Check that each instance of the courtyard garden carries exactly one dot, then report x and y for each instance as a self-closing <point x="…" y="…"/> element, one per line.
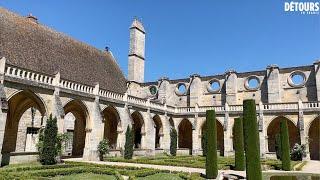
<point x="224" y="163"/>
<point x="82" y="171"/>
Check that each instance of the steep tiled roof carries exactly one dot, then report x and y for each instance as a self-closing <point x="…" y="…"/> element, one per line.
<point x="36" y="47"/>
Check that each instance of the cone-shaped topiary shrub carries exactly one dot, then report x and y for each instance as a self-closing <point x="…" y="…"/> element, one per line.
<point x="128" y="146"/>
<point x="211" y="157"/>
<point x="251" y="140"/>
<point x="173" y="142"/>
<point x="285" y="147"/>
<point x="238" y="144"/>
<point x="49" y="151"/>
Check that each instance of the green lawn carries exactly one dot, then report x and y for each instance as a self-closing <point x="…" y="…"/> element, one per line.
<point x="85" y="176"/>
<point x="195" y="161"/>
<point x="162" y="176"/>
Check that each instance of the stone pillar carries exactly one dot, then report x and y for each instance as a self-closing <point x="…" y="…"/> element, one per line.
<point x="261" y="131"/>
<point x="4" y="108"/>
<point x="302" y="129"/>
<point x="94" y="129"/>
<point x="150" y="132"/>
<point x="231" y="87"/>
<point x="227" y="133"/>
<point x="317" y="77"/>
<point x="195" y="90"/>
<point x="196" y="143"/>
<point x="273" y="81"/>
<point x="165" y="140"/>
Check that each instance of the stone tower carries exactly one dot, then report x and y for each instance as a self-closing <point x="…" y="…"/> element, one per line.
<point x="136" y="52"/>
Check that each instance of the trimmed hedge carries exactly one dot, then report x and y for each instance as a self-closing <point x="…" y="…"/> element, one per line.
<point x="211" y="134"/>
<point x="285" y="147"/>
<point x="251" y="139"/>
<point x="173" y="142"/>
<point x="238" y="144"/>
<point x="128" y="146"/>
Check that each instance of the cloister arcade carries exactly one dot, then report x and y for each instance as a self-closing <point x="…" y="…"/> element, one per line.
<point x="27" y="106"/>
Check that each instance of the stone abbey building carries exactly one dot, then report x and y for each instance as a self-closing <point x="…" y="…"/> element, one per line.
<point x="44" y="72"/>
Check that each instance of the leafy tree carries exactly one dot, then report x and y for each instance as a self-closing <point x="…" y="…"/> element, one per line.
<point x="211" y="157"/>
<point x="251" y="140"/>
<point x="48" y="148"/>
<point x="239" y="144"/>
<point x="285" y="147"/>
<point x="103" y="148"/>
<point x="173" y="142"/>
<point x="128" y="147"/>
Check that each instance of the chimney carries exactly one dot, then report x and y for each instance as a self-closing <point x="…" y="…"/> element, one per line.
<point x="32" y="18"/>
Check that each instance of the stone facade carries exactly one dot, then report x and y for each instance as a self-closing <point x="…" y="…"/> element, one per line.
<point x="92" y="113"/>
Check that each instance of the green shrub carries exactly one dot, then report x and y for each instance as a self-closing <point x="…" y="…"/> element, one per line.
<point x="211" y="157"/>
<point x="173" y="142"/>
<point x="103" y="148"/>
<point x="238" y="144"/>
<point x="251" y="140"/>
<point x="128" y="147"/>
<point x="278" y="146"/>
<point x="285" y="147"/>
<point x="298" y="152"/>
<point x="49" y="151"/>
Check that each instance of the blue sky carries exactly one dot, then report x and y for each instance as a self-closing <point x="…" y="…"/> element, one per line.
<point x="186" y="37"/>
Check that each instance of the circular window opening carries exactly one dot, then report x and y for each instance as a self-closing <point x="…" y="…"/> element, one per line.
<point x="214" y="85"/>
<point x="153" y="90"/>
<point x="297" y="79"/>
<point x="252" y="83"/>
<point x="181" y="89"/>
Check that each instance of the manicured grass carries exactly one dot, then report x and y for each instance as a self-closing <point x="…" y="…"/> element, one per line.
<point x="85" y="176"/>
<point x="162" y="176"/>
<point x="195" y="161"/>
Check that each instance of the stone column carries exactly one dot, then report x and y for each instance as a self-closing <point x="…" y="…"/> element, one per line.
<point x="195" y="90"/>
<point x="261" y="131"/>
<point x="227" y="133"/>
<point x="94" y="129"/>
<point x="4" y="108"/>
<point x="150" y="133"/>
<point x="273" y="81"/>
<point x="231" y="87"/>
<point x="165" y="140"/>
<point x="302" y="129"/>
<point x="196" y="143"/>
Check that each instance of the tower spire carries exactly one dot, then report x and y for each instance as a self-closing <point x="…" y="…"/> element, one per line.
<point x="136" y="52"/>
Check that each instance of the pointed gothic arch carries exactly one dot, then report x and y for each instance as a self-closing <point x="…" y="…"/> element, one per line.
<point x="111" y="123"/>
<point x="81" y="122"/>
<point x="274" y="129"/>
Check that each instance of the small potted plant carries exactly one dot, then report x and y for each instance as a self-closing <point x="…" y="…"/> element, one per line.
<point x="103" y="148"/>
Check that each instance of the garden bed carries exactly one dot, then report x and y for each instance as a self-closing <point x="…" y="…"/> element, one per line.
<point x="195" y="161"/>
<point x="76" y="170"/>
